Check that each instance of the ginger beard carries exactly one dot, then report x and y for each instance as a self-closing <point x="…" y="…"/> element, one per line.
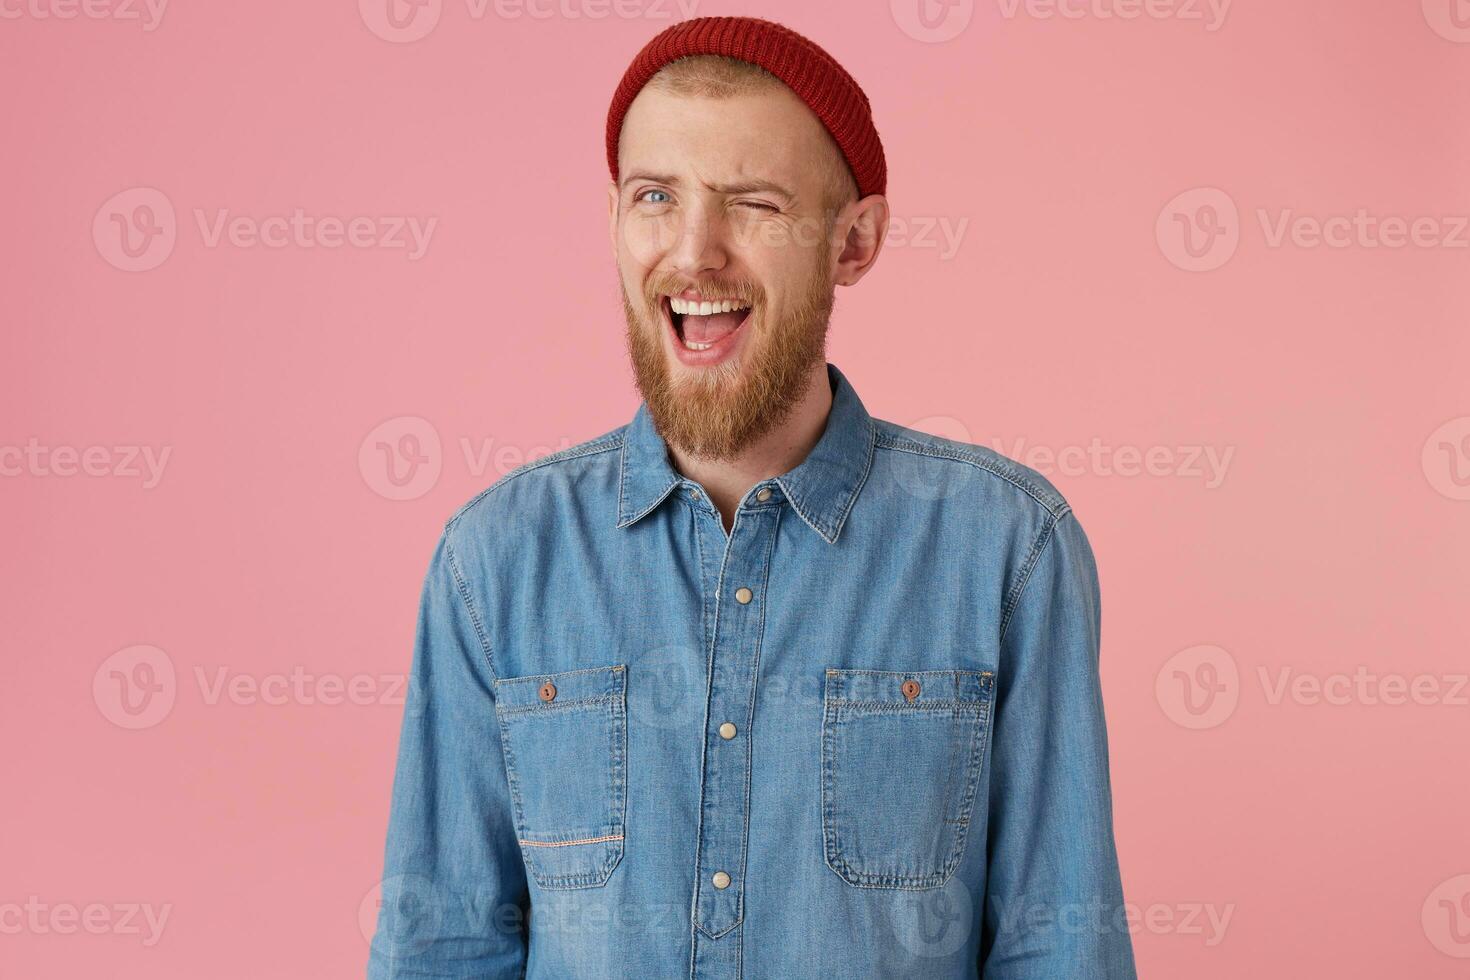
<point x="715" y="413"/>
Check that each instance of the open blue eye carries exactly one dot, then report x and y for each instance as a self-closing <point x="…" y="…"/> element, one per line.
<point x="648" y="196"/>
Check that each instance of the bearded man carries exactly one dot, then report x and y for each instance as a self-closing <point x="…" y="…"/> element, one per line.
<point x="755" y="685"/>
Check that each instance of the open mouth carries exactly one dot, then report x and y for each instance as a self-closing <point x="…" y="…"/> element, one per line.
<point x="705" y="325"/>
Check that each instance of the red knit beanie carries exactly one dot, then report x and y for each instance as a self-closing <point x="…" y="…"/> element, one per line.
<point x="813" y="74"/>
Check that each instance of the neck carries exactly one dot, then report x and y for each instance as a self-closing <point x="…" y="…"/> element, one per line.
<point x="779" y="450"/>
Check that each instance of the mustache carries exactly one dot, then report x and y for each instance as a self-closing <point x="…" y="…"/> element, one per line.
<point x="744" y="290"/>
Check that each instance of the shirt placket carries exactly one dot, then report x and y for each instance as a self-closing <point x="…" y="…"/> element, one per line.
<point x="739" y="599"/>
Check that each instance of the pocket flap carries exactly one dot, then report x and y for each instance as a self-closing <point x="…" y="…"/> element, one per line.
<point x="927" y="687"/>
<point x="589" y="685"/>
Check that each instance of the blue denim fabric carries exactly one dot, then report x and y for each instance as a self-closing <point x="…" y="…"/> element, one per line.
<point x="903" y="633"/>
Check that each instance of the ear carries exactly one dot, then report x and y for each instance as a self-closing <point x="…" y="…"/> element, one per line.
<point x="862" y="225"/>
<point x="612" y="218"/>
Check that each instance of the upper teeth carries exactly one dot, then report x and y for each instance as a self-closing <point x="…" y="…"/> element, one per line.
<point x="703" y="308"/>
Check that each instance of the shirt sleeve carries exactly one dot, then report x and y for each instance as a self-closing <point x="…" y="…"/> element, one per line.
<point x="454" y="898"/>
<point x="1053" y="905"/>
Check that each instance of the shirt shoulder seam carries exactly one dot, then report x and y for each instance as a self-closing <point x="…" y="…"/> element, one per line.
<point x="464" y="596"/>
<point x="604" y="443"/>
<point x="1017" y="592"/>
<point x="1054" y="503"/>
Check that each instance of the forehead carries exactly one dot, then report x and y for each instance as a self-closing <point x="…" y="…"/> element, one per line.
<point x="768" y="134"/>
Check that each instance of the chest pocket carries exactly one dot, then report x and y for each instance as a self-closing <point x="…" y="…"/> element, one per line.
<point x="565" y="741"/>
<point x="901" y="759"/>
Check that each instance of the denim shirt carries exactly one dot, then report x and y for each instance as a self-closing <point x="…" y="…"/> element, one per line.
<point x="860" y="735"/>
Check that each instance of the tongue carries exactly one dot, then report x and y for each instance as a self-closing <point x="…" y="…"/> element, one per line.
<point x="709" y="329"/>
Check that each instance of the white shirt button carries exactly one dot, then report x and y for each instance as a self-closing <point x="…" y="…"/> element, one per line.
<point x="763" y="494"/>
<point x="727" y="731"/>
<point x="721" y="880"/>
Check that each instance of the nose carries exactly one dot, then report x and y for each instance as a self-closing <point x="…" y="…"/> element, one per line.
<point x="700" y="247"/>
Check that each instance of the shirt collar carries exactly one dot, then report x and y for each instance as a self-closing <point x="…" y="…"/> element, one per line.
<point x="822" y="489"/>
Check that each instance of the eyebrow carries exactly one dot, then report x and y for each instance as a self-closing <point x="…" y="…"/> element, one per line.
<point x="752" y="186"/>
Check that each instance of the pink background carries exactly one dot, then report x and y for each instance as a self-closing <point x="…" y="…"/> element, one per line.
<point x="1331" y="831"/>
